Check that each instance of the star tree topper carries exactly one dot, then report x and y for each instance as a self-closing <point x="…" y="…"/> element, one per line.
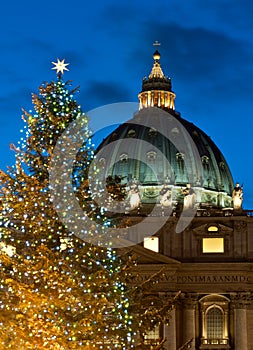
<point x="60" y="66"/>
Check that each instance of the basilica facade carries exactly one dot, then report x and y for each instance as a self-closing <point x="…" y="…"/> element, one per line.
<point x="187" y="220"/>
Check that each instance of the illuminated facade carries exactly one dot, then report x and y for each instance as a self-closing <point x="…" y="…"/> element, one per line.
<point x="210" y="261"/>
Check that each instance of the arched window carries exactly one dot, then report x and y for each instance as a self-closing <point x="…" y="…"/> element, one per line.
<point x="181" y="175"/>
<point x="214" y="311"/>
<point x="152" y="132"/>
<point x="131" y="133"/>
<point x="214" y="324"/>
<point x="152" y="336"/>
<point x="151" y="167"/>
<point x="213" y="229"/>
<point x="151" y="156"/>
<point x="123" y="157"/>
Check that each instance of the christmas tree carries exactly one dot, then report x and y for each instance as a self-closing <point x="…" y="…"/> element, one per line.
<point x="58" y="290"/>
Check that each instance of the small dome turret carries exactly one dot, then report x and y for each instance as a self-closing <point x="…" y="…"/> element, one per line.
<point x="157" y="88"/>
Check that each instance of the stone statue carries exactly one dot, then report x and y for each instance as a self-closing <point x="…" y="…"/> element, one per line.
<point x="189" y="197"/>
<point x="237" y="195"/>
<point x="165" y="196"/>
<point x="134" y="197"/>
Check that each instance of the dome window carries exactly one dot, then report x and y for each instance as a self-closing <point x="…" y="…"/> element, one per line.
<point x="181" y="166"/>
<point x="102" y="162"/>
<point x="205" y="160"/>
<point x="131" y="133"/>
<point x="175" y="131"/>
<point x="222" y="165"/>
<point x="123" y="157"/>
<point x="114" y="136"/>
<point x="151" y="155"/>
<point x="152" y="132"/>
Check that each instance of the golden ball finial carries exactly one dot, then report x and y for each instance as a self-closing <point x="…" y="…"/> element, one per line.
<point x="156" y="56"/>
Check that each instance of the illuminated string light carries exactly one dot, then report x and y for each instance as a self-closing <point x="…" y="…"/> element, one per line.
<point x="57" y="291"/>
<point x="61" y="290"/>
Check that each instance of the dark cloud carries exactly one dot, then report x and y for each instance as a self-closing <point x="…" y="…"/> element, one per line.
<point x="218" y="66"/>
<point x="119" y="15"/>
<point x="226" y="14"/>
<point x="198" y="53"/>
<point x="199" y="39"/>
<point x="99" y="93"/>
<point x="39" y="45"/>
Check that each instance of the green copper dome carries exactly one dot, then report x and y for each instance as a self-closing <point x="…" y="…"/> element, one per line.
<point x="158" y="148"/>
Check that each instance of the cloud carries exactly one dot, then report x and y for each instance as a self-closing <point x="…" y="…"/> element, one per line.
<point x="125" y="14"/>
<point x="199" y="40"/>
<point x="99" y="93"/>
<point x="218" y="66"/>
<point x="197" y="50"/>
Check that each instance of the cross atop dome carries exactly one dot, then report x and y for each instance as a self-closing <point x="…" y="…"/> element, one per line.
<point x="156" y="43"/>
<point x="156" y="54"/>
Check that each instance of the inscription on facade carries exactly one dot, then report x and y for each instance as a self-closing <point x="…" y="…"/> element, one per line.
<point x="198" y="279"/>
<point x="210" y="279"/>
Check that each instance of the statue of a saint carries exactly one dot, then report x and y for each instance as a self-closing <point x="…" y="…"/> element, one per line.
<point x="134" y="197"/>
<point x="165" y="196"/>
<point x="189" y="197"/>
<point x="237" y="195"/>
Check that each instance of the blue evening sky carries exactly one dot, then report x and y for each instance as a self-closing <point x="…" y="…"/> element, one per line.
<point x="207" y="50"/>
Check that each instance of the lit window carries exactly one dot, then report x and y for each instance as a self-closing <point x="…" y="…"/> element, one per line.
<point x="151" y="243"/>
<point x="214" y="310"/>
<point x="153" y="335"/>
<point x="213" y="245"/>
<point x="131" y="133"/>
<point x="213" y="229"/>
<point x="214" y="323"/>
